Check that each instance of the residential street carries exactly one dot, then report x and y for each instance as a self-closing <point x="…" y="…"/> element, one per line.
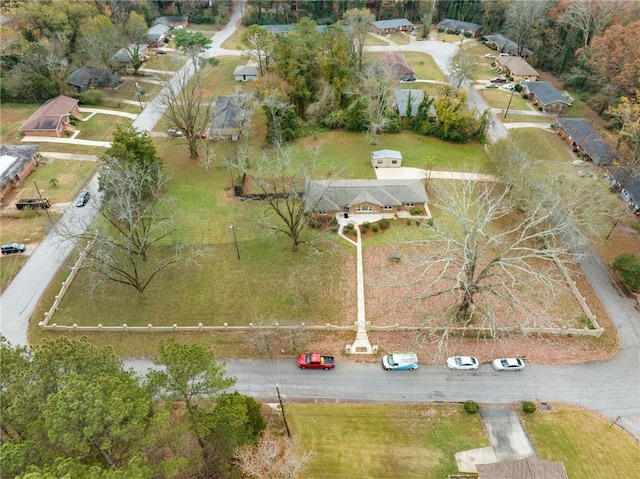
<point x="611" y="388"/>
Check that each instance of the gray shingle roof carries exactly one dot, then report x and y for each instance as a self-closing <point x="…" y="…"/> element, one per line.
<point x="458" y="25"/>
<point x="386" y="154"/>
<point x="224" y="115"/>
<point x="629" y="181"/>
<point x="545" y="92"/>
<point x="82" y="75"/>
<point x="20" y="154"/>
<point x="156" y="32"/>
<point x="125" y="54"/>
<point x="249" y="70"/>
<point x="583" y="134"/>
<point x="335" y="195"/>
<point x="392" y="24"/>
<point x="505" y="45"/>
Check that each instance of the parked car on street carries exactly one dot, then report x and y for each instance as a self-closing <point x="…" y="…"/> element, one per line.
<point x="11" y="248"/>
<point x="316" y="361"/>
<point x="400" y="361"/>
<point x="508" y="364"/>
<point x="175" y="133"/>
<point x="83" y="199"/>
<point x="498" y="80"/>
<point x="462" y="362"/>
<point x="489" y="55"/>
<point x="505" y="55"/>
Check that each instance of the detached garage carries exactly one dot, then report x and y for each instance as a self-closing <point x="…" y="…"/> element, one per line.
<point x="386" y="159"/>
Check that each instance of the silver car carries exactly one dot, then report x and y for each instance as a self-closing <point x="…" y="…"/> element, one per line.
<point x="462" y="362"/>
<point x="508" y="364"/>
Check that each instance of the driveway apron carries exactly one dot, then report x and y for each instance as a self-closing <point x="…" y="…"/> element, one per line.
<point x="506" y="434"/>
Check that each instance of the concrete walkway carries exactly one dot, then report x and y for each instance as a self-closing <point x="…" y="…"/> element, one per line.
<point x="68" y="156"/>
<point x="542" y="126"/>
<point x="93" y="111"/>
<point x="408" y="173"/>
<point x="68" y="141"/>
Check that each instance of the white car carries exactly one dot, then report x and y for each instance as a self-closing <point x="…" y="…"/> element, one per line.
<point x="489" y="55"/>
<point x="462" y="362"/>
<point x="508" y="364"/>
<point x="400" y="361"/>
<point x="508" y="86"/>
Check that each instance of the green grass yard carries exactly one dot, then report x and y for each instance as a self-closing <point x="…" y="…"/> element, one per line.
<point x="379" y="441"/>
<point x="587" y="444"/>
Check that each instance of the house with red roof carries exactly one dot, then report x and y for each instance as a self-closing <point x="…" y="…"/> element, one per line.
<point x="52" y="117"/>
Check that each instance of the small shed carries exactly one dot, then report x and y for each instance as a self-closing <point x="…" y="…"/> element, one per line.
<point x="386" y="159"/>
<point x="246" y="73"/>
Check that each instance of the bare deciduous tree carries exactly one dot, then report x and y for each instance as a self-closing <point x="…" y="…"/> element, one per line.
<point x="522" y="20"/>
<point x="359" y="19"/>
<point x="281" y="180"/>
<point x="274" y="456"/>
<point x="591" y="17"/>
<point x="186" y="107"/>
<point x="377" y="88"/>
<point x="461" y="68"/>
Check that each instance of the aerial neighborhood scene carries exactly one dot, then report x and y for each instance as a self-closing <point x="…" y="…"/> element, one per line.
<point x="295" y="239"/>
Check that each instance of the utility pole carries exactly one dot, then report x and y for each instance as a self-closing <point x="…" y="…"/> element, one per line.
<point x="46" y="210"/>
<point x="509" y="104"/>
<point x="232" y="228"/>
<point x="284" y="417"/>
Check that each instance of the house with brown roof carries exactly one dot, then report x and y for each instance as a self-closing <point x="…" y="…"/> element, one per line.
<point x="52" y="117"/>
<point x="16" y="163"/>
<point x="397" y="65"/>
<point x="518" y="68"/>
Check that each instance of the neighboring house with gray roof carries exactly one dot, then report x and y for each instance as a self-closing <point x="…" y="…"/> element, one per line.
<point x="52" y="117"/>
<point x="245" y="73"/>
<point x="529" y="468"/>
<point x="586" y="141"/>
<point x="628" y="182"/>
<point x="545" y="95"/>
<point x="126" y="54"/>
<point x="84" y="78"/>
<point x="457" y="26"/>
<point x="386" y="159"/>
<point x="173" y="22"/>
<point x="225" y="118"/>
<point x="286" y="28"/>
<point x="402" y="97"/>
<point x="328" y="197"/>
<point x="391" y="26"/>
<point x="157" y="34"/>
<point x="504" y="45"/>
<point x="16" y="164"/>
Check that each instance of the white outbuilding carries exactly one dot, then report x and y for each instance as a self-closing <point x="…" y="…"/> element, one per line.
<point x="386" y="159"/>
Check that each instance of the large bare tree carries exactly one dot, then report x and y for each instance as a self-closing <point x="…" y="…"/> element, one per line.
<point x="281" y="181"/>
<point x="187" y="108"/>
<point x="377" y="87"/>
<point x="359" y="20"/>
<point x="523" y="18"/>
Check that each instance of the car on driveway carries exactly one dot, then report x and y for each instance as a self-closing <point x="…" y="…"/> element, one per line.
<point x="410" y="77"/>
<point x="508" y="364"/>
<point x="83" y="199"/>
<point x="508" y="86"/>
<point x="462" y="362"/>
<point x="489" y="55"/>
<point x="498" y="80"/>
<point x="400" y="361"/>
<point x="492" y="85"/>
<point x="11" y="248"/>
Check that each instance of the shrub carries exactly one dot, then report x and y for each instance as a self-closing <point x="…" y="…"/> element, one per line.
<point x="471" y="407"/>
<point x="517" y="88"/>
<point x="528" y="407"/>
<point x="93" y="97"/>
<point x="375" y="227"/>
<point x="416" y="210"/>
<point x="364" y="227"/>
<point x="408" y="222"/>
<point x="395" y="257"/>
<point x="539" y="108"/>
<point x="627" y="266"/>
<point x="349" y="229"/>
<point x="384" y="224"/>
<point x="525" y="96"/>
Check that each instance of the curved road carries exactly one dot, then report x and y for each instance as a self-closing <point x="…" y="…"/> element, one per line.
<point x="611" y="388"/>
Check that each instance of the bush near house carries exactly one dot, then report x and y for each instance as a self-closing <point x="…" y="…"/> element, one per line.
<point x="627" y="266"/>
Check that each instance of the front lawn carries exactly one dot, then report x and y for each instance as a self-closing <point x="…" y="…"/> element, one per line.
<point x="99" y="127"/>
<point x="588" y="445"/>
<point x="499" y="98"/>
<point x="382" y="441"/>
<point x="13" y="116"/>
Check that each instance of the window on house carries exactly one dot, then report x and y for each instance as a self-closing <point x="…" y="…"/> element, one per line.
<point x="364" y="209"/>
<point x="379" y="162"/>
<point x="387" y="208"/>
<point x="322" y="212"/>
<point x="410" y="204"/>
<point x="394" y="162"/>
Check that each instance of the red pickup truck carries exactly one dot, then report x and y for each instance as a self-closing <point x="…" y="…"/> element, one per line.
<point x="316" y="361"/>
